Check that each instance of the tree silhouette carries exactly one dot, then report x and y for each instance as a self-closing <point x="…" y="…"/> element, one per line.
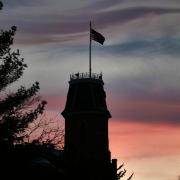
<point x="16" y="111"/>
<point x="122" y="172"/>
<point x="46" y="131"/>
<point x="1" y="5"/>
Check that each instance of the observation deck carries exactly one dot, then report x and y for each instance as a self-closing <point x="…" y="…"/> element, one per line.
<point x="86" y="77"/>
<point x="86" y="95"/>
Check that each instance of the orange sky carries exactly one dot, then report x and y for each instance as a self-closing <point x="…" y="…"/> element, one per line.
<point x="151" y="151"/>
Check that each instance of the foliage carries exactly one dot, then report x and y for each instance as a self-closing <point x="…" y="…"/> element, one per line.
<point x="122" y="172"/>
<point x="1" y="5"/>
<point x="19" y="109"/>
<point x="46" y="131"/>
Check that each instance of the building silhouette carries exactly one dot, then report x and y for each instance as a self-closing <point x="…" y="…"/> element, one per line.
<point x="87" y="154"/>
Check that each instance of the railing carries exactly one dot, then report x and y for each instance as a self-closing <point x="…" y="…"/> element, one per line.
<point x="86" y="76"/>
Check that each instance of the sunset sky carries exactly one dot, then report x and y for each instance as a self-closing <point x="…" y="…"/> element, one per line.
<point x="140" y="62"/>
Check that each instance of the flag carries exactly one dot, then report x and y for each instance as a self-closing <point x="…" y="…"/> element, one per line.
<point x="97" y="36"/>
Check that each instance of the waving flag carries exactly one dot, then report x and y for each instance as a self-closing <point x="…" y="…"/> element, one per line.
<point x="97" y="36"/>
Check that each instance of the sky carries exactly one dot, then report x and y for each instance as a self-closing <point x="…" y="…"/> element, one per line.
<point x="140" y="62"/>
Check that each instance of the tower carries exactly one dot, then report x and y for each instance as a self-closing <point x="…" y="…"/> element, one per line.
<point x="86" y="129"/>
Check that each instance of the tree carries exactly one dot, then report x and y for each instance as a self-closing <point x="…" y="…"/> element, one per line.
<point x="45" y="131"/>
<point x="122" y="172"/>
<point x="19" y="112"/>
<point x="1" y="5"/>
<point x="18" y="109"/>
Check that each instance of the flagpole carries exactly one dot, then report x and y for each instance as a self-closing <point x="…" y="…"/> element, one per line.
<point x="90" y="51"/>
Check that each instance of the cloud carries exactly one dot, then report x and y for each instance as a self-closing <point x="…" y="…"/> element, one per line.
<point x="42" y="22"/>
<point x="158" y="105"/>
<point x="161" y="46"/>
<point x="76" y="24"/>
<point x="139" y="88"/>
<point x="149" y="150"/>
<point x="128" y="14"/>
<point x="18" y="3"/>
<point x="139" y="140"/>
<point x="140" y="59"/>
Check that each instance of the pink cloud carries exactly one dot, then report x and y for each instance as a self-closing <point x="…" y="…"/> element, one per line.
<point x="55" y="102"/>
<point x="137" y="140"/>
<point x="144" y="110"/>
